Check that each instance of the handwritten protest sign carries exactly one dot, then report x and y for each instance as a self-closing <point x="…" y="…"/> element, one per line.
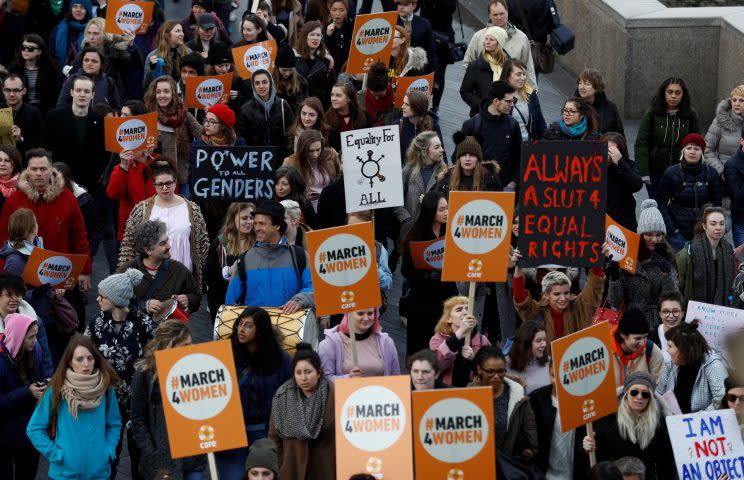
<point x="60" y="270"/>
<point x="717" y="323"/>
<point x="403" y="85"/>
<point x="233" y="173"/>
<point x="256" y="56"/>
<point x="123" y="16"/>
<point x="371" y="41"/>
<point x="623" y="244"/>
<point x="584" y="376"/>
<point x="203" y="92"/>
<point x="562" y="203"/>
<point x="372" y="173"/>
<point x="707" y="444"/>
<point x="428" y="255"/>
<point x="373" y="427"/>
<point x="200" y="398"/>
<point x="344" y="268"/>
<point x="453" y="434"/>
<point x="135" y="133"/>
<point x="478" y="236"/>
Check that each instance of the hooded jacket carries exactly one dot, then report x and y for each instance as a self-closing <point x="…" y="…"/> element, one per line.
<point x="331" y="351"/>
<point x="417" y="63"/>
<point x="724" y="134"/>
<point x="489" y="178"/>
<point x="708" y="388"/>
<point x="659" y="140"/>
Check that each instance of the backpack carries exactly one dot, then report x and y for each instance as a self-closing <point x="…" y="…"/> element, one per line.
<point x="684" y="184"/>
<point x="298" y="260"/>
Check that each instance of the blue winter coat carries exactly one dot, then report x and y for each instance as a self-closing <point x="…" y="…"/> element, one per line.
<point x="257" y="390"/>
<point x="82" y="449"/>
<point x="16" y="401"/>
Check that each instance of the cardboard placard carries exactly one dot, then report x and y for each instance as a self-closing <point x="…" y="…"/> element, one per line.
<point x="6" y="126"/>
<point x="706" y="444"/>
<point x="344" y="268"/>
<point x="478" y="236"/>
<point x="203" y="92"/>
<point x="428" y="255"/>
<point x="371" y="41"/>
<point x="623" y="243"/>
<point x="233" y="173"/>
<point x="256" y="56"/>
<point x="373" y="427"/>
<point x="717" y="323"/>
<point x="424" y="83"/>
<point x="201" y="400"/>
<point x="563" y="187"/>
<point x="135" y="133"/>
<point x="584" y="376"/>
<point x="60" y="270"/>
<point x="124" y="16"/>
<point x="373" y="175"/>
<point x="453" y="433"/>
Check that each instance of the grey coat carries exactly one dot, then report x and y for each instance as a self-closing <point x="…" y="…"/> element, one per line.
<point x="413" y="189"/>
<point x="722" y="139"/>
<point x="708" y="389"/>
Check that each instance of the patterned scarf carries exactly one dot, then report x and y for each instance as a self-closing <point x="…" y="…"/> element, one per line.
<point x="9" y="186"/>
<point x="712" y="278"/>
<point x="298" y="418"/>
<point x="83" y="391"/>
<point x="220" y="139"/>
<point x="175" y="117"/>
<point x="378" y="108"/>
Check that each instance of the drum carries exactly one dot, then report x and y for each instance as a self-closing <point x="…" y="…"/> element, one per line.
<point x="300" y="326"/>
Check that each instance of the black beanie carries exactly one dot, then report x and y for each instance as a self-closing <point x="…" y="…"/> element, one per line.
<point x="263" y="454"/>
<point x="285" y="57"/>
<point x="219" y="54"/>
<point x="633" y="322"/>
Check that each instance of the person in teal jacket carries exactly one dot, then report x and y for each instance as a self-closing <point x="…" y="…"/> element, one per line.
<point x="76" y="425"/>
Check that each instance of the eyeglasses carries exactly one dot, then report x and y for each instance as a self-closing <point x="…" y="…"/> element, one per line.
<point x="731" y="398"/>
<point x="29" y="48"/>
<point x="491" y="372"/>
<point x="209" y="121"/>
<point x="570" y="112"/>
<point x="12" y="90"/>
<point x="165" y="185"/>
<point x="513" y="101"/>
<point x="671" y="313"/>
<point x="644" y="395"/>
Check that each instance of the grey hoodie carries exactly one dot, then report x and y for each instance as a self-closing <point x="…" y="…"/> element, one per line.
<point x="272" y="93"/>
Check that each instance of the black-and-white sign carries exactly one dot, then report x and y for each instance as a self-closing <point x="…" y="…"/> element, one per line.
<point x="233" y="173"/>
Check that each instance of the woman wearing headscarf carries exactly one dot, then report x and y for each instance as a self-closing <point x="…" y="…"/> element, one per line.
<point x="67" y="37"/>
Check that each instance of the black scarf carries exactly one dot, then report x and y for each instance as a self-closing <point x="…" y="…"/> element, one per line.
<point x="712" y="279"/>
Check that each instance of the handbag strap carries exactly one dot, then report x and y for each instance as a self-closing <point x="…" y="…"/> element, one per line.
<point x="459" y="16"/>
<point x="554" y="13"/>
<point x="524" y="22"/>
<point x="159" y="277"/>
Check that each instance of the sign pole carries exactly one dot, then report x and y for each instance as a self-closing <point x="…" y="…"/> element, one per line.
<point x="352" y="336"/>
<point x="471" y="309"/>
<point x="592" y="454"/>
<point x="213" y="465"/>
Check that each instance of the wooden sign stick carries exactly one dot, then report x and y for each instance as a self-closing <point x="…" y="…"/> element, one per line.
<point x="471" y="309"/>
<point x="212" y="465"/>
<point x="592" y="454"/>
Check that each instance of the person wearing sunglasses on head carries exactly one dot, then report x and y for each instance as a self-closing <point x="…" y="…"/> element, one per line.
<point x="638" y="429"/>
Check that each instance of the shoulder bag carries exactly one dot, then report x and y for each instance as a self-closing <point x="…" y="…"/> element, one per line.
<point x="543" y="55"/>
<point x="561" y="38"/>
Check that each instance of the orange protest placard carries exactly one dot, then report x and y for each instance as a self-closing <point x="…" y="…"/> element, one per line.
<point x="131" y="133"/>
<point x="584" y="377"/>
<point x="60" y="270"/>
<point x="201" y="398"/>
<point x="403" y="85"/>
<point x="428" y="255"/>
<point x="373" y="427"/>
<point x="453" y="433"/>
<point x="256" y="56"/>
<point x="478" y="236"/>
<point x="623" y="243"/>
<point x="371" y="41"/>
<point x="344" y="268"/>
<point x="203" y="92"/>
<point x="123" y="16"/>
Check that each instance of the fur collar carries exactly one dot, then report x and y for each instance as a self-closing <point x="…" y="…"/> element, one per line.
<point x="55" y="188"/>
<point x="416" y="58"/>
<point x="726" y="117"/>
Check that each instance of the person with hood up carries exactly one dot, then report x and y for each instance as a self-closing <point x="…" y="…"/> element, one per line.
<point x="722" y="139"/>
<point x="264" y="120"/>
<point x="67" y="37"/>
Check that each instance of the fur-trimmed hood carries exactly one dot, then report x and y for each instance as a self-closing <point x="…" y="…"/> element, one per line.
<point x="727" y="119"/>
<point x="417" y="60"/>
<point x="56" y="186"/>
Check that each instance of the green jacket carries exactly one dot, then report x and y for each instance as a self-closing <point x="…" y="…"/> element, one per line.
<point x="658" y="144"/>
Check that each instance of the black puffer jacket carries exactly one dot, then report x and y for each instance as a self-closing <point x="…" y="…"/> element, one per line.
<point x="623" y="180"/>
<point x="320" y="78"/>
<point x="683" y="190"/>
<point x="490" y="181"/>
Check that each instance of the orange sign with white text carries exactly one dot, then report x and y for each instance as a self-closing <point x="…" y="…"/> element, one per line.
<point x="478" y="236"/>
<point x="584" y="376"/>
<point x="135" y="133"/>
<point x="371" y="41"/>
<point x="403" y="85"/>
<point x="204" y="92"/>
<point x="373" y="427"/>
<point x="123" y="16"/>
<point x="453" y="433"/>
<point x="344" y="268"/>
<point x="60" y="270"/>
<point x="256" y="56"/>
<point x="623" y="244"/>
<point x="201" y="400"/>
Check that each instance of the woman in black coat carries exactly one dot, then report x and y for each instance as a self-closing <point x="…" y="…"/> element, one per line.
<point x="590" y="86"/>
<point x="527" y="111"/>
<point x="440" y="13"/>
<point x="577" y="122"/>
<point x="623" y="180"/>
<point x="313" y="62"/>
<point x="480" y="73"/>
<point x="33" y="60"/>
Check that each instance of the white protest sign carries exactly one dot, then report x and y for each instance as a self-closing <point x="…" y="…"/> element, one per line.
<point x="716" y="322"/>
<point x="707" y="444"/>
<point x="372" y="168"/>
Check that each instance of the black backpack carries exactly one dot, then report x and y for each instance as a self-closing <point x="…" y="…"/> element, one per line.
<point x="298" y="260"/>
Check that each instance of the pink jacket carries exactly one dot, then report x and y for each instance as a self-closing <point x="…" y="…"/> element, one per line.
<point x="438" y="343"/>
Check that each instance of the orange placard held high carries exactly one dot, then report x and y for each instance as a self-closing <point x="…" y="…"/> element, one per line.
<point x="584" y="376"/>
<point x="453" y="433"/>
<point x="123" y="16"/>
<point x="478" y="236"/>
<point x="373" y="427"/>
<point x="60" y="270"/>
<point x="344" y="268"/>
<point x="131" y="133"/>
<point x="256" y="56"/>
<point x="371" y="41"/>
<point x="623" y="243"/>
<point x="201" y="398"/>
<point x="203" y="92"/>
<point x="403" y="85"/>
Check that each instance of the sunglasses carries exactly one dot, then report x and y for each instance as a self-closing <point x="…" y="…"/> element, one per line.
<point x="644" y="395"/>
<point x="29" y="48"/>
<point x="733" y="398"/>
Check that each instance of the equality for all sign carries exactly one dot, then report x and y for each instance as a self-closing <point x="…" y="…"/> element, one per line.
<point x="233" y="173"/>
<point x="562" y="203"/>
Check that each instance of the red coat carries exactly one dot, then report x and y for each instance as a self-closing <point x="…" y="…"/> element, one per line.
<point x="61" y="223"/>
<point x="129" y="188"/>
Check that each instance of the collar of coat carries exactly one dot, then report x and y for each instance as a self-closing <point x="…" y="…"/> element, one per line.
<point x="49" y="195"/>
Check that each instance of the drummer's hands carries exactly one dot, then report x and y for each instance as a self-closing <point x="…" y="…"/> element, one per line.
<point x="290" y="307"/>
<point x="154" y="306"/>
<point x="183" y="300"/>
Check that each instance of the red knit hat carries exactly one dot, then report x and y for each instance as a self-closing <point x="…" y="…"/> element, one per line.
<point x="224" y="113"/>
<point x="695" y="138"/>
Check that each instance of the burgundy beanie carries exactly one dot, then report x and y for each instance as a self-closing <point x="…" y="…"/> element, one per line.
<point x="695" y="138"/>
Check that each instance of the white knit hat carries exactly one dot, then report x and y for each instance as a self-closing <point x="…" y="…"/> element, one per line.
<point x="119" y="287"/>
<point x="650" y="219"/>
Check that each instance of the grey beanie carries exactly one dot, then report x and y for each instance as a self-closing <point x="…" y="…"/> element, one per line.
<point x="119" y="287"/>
<point x="650" y="219"/>
<point x="263" y="454"/>
<point x="639" y="378"/>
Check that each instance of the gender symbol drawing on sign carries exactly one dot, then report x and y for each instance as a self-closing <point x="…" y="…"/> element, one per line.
<point x="371" y="169"/>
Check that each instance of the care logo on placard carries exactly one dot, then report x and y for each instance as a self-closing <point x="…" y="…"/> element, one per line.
<point x="454" y="430"/>
<point x="342" y="259"/>
<point x="257" y="58"/>
<point x="434" y="254"/>
<point x="129" y="17"/>
<point x="584" y="366"/>
<point x="209" y="92"/>
<point x="373" y="36"/>
<point x="477" y="232"/>
<point x="199" y="386"/>
<point x="373" y="418"/>
<point x="617" y="242"/>
<point x="131" y="134"/>
<point x="421" y="85"/>
<point x="54" y="270"/>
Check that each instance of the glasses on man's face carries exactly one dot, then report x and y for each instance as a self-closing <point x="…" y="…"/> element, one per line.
<point x="644" y="395"/>
<point x="165" y="185"/>
<point x="29" y="48"/>
<point x="513" y="100"/>
<point x="209" y="121"/>
<point x="731" y="398"/>
<point x="671" y="313"/>
<point x="12" y="90"/>
<point x="490" y="372"/>
<point x="567" y="111"/>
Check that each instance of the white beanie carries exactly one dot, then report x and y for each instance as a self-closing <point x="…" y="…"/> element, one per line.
<point x="119" y="288"/>
<point x="650" y="219"/>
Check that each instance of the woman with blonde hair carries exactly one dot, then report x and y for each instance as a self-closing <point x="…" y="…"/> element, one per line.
<point x="170" y="49"/>
<point x="318" y="164"/>
<point x="296" y="230"/>
<point x="527" y="111"/>
<point x="425" y="162"/>
<point x="455" y="356"/>
<point x="485" y="70"/>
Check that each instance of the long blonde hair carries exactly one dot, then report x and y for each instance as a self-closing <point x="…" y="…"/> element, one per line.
<point x="638" y="429"/>
<point x="101" y="24"/>
<point x="443" y="326"/>
<point x="416" y="154"/>
<point x="229" y="232"/>
<point x="167" y="334"/>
